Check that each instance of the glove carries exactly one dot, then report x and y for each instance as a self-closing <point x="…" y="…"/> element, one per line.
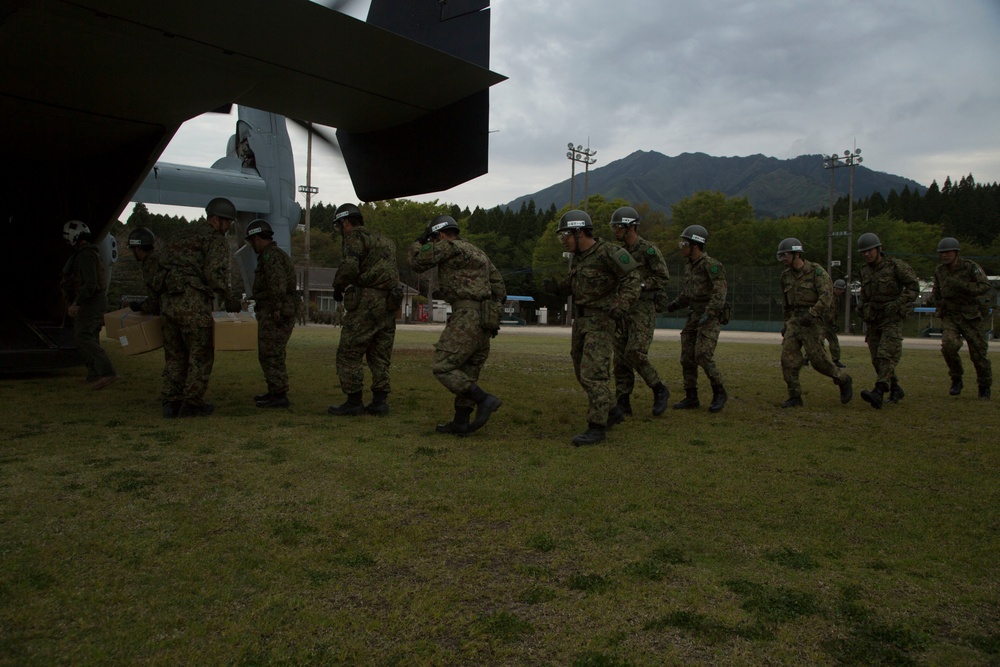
<point x="806" y="319"/>
<point x="338" y="294"/>
<point x="136" y="306"/>
<point x="233" y="306"/>
<point x="672" y="306"/>
<point x="703" y="320"/>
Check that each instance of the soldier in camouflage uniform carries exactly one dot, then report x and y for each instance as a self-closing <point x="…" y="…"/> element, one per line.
<point x="474" y="288"/>
<point x="830" y="321"/>
<point x="807" y="295"/>
<point x="963" y="296"/>
<point x="84" y="281"/>
<point x="604" y="285"/>
<point x="196" y="262"/>
<point x="142" y="243"/>
<point x="704" y="295"/>
<point x="276" y="306"/>
<point x="888" y="289"/>
<point x="367" y="282"/>
<point x="634" y="334"/>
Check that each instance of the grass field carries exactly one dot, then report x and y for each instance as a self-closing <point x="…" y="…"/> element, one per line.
<point x="827" y="534"/>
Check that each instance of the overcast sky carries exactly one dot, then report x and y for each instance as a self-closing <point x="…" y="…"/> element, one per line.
<point x="913" y="83"/>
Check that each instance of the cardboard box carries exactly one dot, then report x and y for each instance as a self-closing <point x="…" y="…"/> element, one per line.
<point x="142" y="337"/>
<point x="235" y="331"/>
<point x="115" y="321"/>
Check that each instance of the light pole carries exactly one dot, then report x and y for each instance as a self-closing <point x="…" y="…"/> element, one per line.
<point x="849" y="159"/>
<point x="309" y="190"/>
<point x="586" y="157"/>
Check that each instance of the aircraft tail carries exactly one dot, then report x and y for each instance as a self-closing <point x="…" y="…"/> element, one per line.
<point x="446" y="147"/>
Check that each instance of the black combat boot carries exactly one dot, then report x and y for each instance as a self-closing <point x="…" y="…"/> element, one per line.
<point x="956" y="386"/>
<point x="719" y="398"/>
<point x="846" y="389"/>
<point x="661" y="395"/>
<point x="593" y="435"/>
<point x="379" y="405"/>
<point x="690" y="401"/>
<point x="896" y="393"/>
<point x="984" y="392"/>
<point x="460" y="425"/>
<point x="625" y="403"/>
<point x="261" y="397"/>
<point x="792" y="402"/>
<point x="192" y="410"/>
<point x="615" y="416"/>
<point x="170" y="409"/>
<point x="274" y="401"/>
<point x="838" y="364"/>
<point x="352" y="408"/>
<point x="874" y="397"/>
<point x="486" y="405"/>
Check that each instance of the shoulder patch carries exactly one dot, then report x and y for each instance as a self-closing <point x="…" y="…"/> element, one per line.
<point x="650" y="250"/>
<point x="714" y="269"/>
<point x="625" y="258"/>
<point x="426" y="247"/>
<point x="819" y="271"/>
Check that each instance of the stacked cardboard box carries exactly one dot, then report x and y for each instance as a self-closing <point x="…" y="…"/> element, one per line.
<point x="135" y="332"/>
<point x="235" y="331"/>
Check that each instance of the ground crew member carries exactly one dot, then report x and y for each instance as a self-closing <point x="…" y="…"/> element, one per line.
<point x="84" y="282"/>
<point x="276" y="304"/>
<point x="634" y="333"/>
<point x="962" y="297"/>
<point x="807" y="297"/>
<point x="704" y="295"/>
<point x="196" y="262"/>
<point x="142" y="243"/>
<point x="888" y="289"/>
<point x="468" y="280"/>
<point x="367" y="282"/>
<point x="604" y="285"/>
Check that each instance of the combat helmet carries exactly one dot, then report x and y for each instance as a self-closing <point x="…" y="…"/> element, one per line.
<point x="695" y="233"/>
<point x="221" y="208"/>
<point x="259" y="228"/>
<point x="346" y="211"/>
<point x="867" y="241"/>
<point x="626" y="215"/>
<point x="790" y="244"/>
<point x="73" y="230"/>
<point x="839" y="283"/>
<point x="141" y="238"/>
<point x="441" y="223"/>
<point x="948" y="244"/>
<point x="573" y="220"/>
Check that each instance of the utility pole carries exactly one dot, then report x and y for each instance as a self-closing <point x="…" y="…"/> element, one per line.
<point x="849" y="159"/>
<point x="309" y="190"/>
<point x="586" y="157"/>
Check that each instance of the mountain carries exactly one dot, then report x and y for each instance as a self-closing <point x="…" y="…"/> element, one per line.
<point x="775" y="188"/>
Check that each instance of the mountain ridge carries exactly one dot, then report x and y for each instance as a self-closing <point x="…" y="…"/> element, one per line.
<point x="775" y="187"/>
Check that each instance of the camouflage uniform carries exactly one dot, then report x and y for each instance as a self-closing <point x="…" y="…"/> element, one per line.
<point x="467" y="278"/>
<point x="367" y="274"/>
<point x="704" y="293"/>
<point x="808" y="295"/>
<point x="153" y="276"/>
<point x="197" y="269"/>
<point x="830" y="328"/>
<point x="84" y="280"/>
<point x="601" y="278"/>
<point x="276" y="306"/>
<point x="962" y="299"/>
<point x="888" y="290"/>
<point x="634" y="334"/>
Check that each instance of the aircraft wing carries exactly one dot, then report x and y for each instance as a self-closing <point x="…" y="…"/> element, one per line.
<point x="183" y="185"/>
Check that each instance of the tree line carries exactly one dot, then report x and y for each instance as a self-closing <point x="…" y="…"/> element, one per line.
<point x="523" y="245"/>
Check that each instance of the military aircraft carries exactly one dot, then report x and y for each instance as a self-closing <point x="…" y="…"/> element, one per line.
<point x="93" y="90"/>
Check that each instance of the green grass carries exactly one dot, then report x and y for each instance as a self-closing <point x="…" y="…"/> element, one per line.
<point x="828" y="534"/>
